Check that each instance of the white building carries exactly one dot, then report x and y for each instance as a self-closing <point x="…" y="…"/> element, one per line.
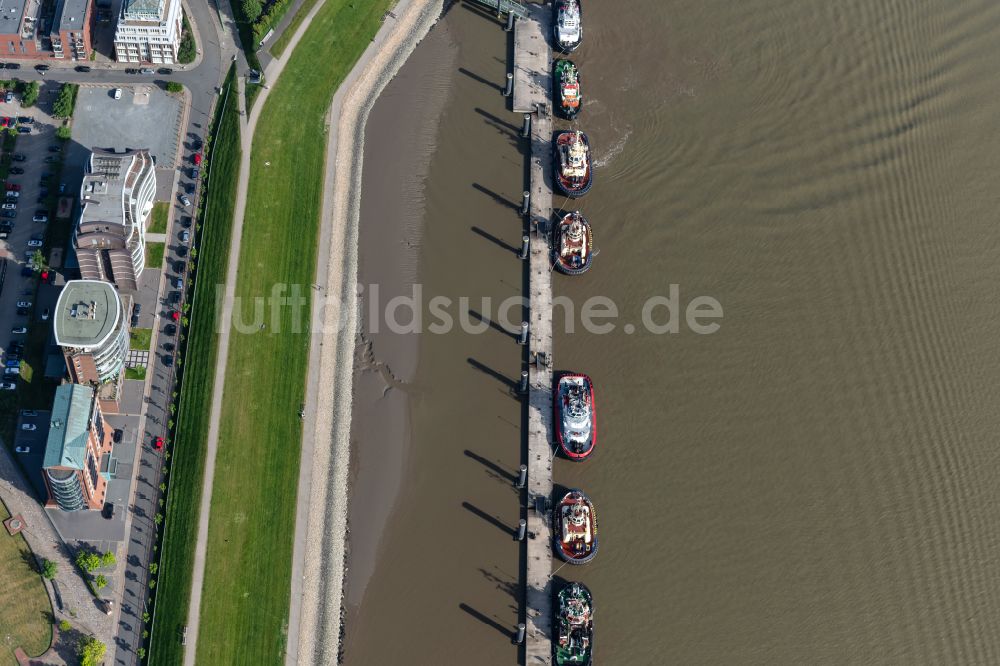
<point x="116" y="199"/>
<point x="149" y="31"/>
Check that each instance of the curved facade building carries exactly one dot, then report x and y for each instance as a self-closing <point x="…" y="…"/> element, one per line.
<point x="91" y="326"/>
<point x="78" y="459"/>
<point x="116" y="199"/>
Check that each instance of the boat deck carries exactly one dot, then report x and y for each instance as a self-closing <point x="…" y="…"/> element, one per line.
<point x="532" y="86"/>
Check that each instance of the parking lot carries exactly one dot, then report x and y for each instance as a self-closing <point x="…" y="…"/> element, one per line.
<point x="144" y="117"/>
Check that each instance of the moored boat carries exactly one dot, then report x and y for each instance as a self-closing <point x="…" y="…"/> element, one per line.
<point x="573" y="244"/>
<point x="573" y="169"/>
<point x="575" y="529"/>
<point x="570" y="96"/>
<point x="575" y="415"/>
<point x="569" y="24"/>
<point x="574" y="644"/>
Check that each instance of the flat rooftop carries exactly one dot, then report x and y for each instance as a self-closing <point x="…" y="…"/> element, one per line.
<point x="71" y="15"/>
<point x="69" y="426"/>
<point x="86" y="313"/>
<point x="11" y="12"/>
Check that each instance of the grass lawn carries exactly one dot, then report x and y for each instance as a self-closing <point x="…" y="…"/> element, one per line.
<point x="246" y="593"/>
<point x="278" y="47"/>
<point x="188" y="456"/>
<point x="135" y="373"/>
<point x="139" y="338"/>
<point x="25" y="611"/>
<point x="154" y="255"/>
<point x="158" y="218"/>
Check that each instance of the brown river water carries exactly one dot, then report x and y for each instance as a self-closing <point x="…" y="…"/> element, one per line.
<point x="815" y="482"/>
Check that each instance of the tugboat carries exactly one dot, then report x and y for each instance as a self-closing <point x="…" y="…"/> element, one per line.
<point x="573" y="173"/>
<point x="570" y="97"/>
<point x="576" y="416"/>
<point x="573" y="244"/>
<point x="569" y="25"/>
<point x="575" y="532"/>
<point x="574" y="626"/>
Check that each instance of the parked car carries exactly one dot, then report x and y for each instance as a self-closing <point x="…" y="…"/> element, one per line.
<point x="108" y="511"/>
<point x="12" y="195"/>
<point x="168" y="360"/>
<point x="181" y="251"/>
<point x="23" y="312"/>
<point x="118" y="93"/>
<point x="11" y="372"/>
<point x="131" y="70"/>
<point x="196" y="143"/>
<point x="49" y="277"/>
<point x="179" y="282"/>
<point x="23" y="130"/>
<point x="18" y="330"/>
<point x="170" y="329"/>
<point x="194" y="173"/>
<point x="45" y="314"/>
<point x="12" y="65"/>
<point x="25" y="120"/>
<point x="34" y="243"/>
<point x="51" y="158"/>
<point x="186" y="221"/>
<point x="146" y="70"/>
<point x="29" y="426"/>
<point x="40" y="217"/>
<point x="6" y="122"/>
<point x="55" y="149"/>
<point x="19" y="157"/>
<point x="40" y="68"/>
<point x="13" y="187"/>
<point x="168" y="346"/>
<point x="178" y="267"/>
<point x="197" y="159"/>
<point x="158" y="443"/>
<point x="24" y="304"/>
<point x="21" y="449"/>
<point x="9" y="214"/>
<point x="17" y="171"/>
<point x="116" y="437"/>
<point x="9" y="97"/>
<point x="185" y="200"/>
<point x="185" y="236"/>
<point x="174" y="297"/>
<point x="164" y="70"/>
<point x="8" y="206"/>
<point x="82" y="68"/>
<point x="8" y="386"/>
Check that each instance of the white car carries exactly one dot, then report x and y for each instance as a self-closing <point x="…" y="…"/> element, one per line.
<point x="34" y="243"/>
<point x="20" y="330"/>
<point x="8" y="386"/>
<point x="29" y="426"/>
<point x="24" y="304"/>
<point x="22" y="449"/>
<point x="118" y="93"/>
<point x="9" y="206"/>
<point x="184" y="200"/>
<point x="13" y="194"/>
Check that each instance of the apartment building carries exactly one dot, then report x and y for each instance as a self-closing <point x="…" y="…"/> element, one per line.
<point x="149" y="31"/>
<point x="116" y="199"/>
<point x="78" y="458"/>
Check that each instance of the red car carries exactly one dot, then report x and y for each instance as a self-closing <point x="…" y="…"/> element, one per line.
<point x="158" y="443"/>
<point x="176" y="316"/>
<point x="13" y="187"/>
<point x="5" y="122"/>
<point x="197" y="158"/>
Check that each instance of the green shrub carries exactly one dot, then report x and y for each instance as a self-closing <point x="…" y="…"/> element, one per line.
<point x="187" y="51"/>
<point x="30" y="95"/>
<point x="64" y="133"/>
<point x="63" y="108"/>
<point x="174" y="87"/>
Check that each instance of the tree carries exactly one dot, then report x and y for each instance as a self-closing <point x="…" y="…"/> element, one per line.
<point x="87" y="561"/>
<point x="141" y="653"/>
<point x="108" y="559"/>
<point x="91" y="651"/>
<point x="251" y="9"/>
<point x="49" y="569"/>
<point x="64" y="132"/>
<point x="153" y="568"/>
<point x="37" y="261"/>
<point x="64" y="625"/>
<point x="174" y="87"/>
<point x="100" y="582"/>
<point x="63" y="108"/>
<point x="158" y="518"/>
<point x="30" y="94"/>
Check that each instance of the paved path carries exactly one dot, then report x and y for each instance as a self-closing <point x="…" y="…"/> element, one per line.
<point x="78" y="605"/>
<point x="247" y="126"/>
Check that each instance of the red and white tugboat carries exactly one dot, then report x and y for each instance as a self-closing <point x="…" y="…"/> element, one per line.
<point x="573" y="244"/>
<point x="575" y="529"/>
<point x="573" y="173"/>
<point x="576" y="415"/>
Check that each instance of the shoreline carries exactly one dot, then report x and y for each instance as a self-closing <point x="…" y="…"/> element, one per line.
<point x="319" y="600"/>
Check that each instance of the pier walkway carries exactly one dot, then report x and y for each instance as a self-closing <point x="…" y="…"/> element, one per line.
<point x="533" y="91"/>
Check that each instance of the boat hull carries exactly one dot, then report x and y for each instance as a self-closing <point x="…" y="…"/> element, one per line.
<point x="575" y="552"/>
<point x="569" y="451"/>
<point x="560" y="263"/>
<point x="564" y="652"/>
<point x="563" y="107"/>
<point x="571" y="189"/>
<point x="566" y="45"/>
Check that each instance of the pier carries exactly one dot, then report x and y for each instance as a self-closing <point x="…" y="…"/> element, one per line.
<point x="532" y="94"/>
